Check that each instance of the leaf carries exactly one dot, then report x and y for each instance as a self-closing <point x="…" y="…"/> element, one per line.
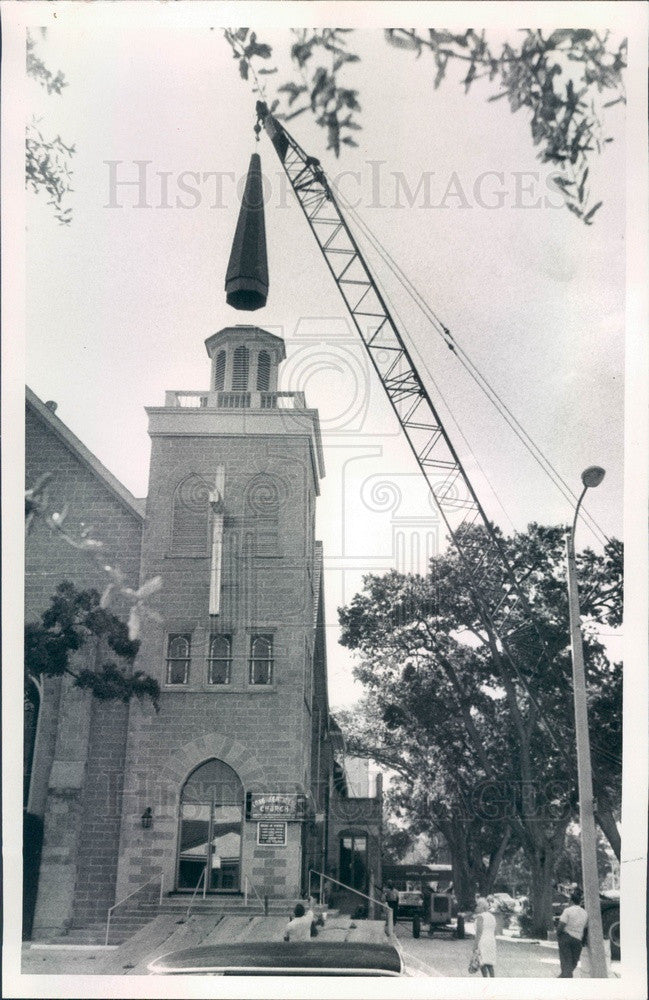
<point x="560" y="35"/>
<point x="588" y="218"/>
<point x="243" y="68"/>
<point x="151" y="586"/>
<point x="262" y="71"/>
<point x="497" y="97"/>
<point x="582" y="185"/>
<point x="241" y="34"/>
<point x="401" y="40"/>
<point x="294" y="114"/>
<point x="292" y="90"/>
<point x="349" y="141"/>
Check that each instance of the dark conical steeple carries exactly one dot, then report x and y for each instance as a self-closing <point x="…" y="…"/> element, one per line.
<point x="246" y="280"/>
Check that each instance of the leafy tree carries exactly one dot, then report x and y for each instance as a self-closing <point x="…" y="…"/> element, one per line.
<point x="558" y="78"/>
<point x="435" y="788"/>
<point x="568" y="870"/>
<point x="397" y="842"/>
<point x="490" y="738"/>
<point x="47" y="163"/>
<point x="75" y="620"/>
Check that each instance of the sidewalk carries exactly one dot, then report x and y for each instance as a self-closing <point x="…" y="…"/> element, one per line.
<point x="445" y="956"/>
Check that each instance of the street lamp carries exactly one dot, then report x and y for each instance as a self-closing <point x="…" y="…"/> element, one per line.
<point x="590" y="477"/>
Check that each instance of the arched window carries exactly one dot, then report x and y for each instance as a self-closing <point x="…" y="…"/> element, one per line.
<point x="219" y="663"/>
<point x="178" y="658"/>
<point x="214" y="781"/>
<point x="261" y="659"/>
<point x="263" y="371"/>
<point x="219" y="371"/>
<point x="211" y="820"/>
<point x="190" y="518"/>
<point x="240" y="369"/>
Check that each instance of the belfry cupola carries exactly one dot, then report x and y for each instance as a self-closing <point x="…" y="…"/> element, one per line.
<point x="244" y="359"/>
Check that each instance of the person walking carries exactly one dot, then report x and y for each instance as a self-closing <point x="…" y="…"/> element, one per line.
<point x="391" y="896"/>
<point x="485" y="938"/>
<point x="571" y="934"/>
<point x="299" y="926"/>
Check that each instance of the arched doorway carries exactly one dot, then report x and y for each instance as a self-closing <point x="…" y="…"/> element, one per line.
<point x="353" y="860"/>
<point x="211" y="821"/>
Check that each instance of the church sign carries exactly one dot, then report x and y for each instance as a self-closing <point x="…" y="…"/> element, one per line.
<point x="276" y="805"/>
<point x="271" y="833"/>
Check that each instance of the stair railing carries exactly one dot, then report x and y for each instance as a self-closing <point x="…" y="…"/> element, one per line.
<point x="247" y="884"/>
<point x="202" y="876"/>
<point x="155" y="878"/>
<point x="389" y="915"/>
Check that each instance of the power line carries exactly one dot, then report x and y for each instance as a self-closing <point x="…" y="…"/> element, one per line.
<point x="446" y="333"/>
<point x="451" y="342"/>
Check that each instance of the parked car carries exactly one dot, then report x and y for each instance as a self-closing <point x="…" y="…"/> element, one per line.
<point x="439" y="911"/>
<point x="610" y="907"/>
<point x="410" y="903"/>
<point x="609" y="901"/>
<point x="279" y="958"/>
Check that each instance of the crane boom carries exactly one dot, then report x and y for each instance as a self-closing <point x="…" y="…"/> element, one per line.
<point x="440" y="464"/>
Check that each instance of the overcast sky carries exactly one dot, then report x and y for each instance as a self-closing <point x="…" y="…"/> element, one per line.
<point x="120" y="302"/>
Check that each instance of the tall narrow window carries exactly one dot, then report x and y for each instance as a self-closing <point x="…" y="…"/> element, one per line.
<point x="261" y="659"/>
<point x="178" y="658"/>
<point x="263" y="371"/>
<point x="219" y="372"/>
<point x="240" y="369"/>
<point x="219" y="663"/>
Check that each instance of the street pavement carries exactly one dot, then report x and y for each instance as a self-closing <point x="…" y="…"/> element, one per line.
<point x="439" y="956"/>
<point x="443" y="955"/>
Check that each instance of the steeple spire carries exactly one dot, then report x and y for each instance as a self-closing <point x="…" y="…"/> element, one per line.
<point x="246" y="280"/>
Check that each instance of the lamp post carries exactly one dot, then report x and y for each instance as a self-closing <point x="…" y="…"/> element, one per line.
<point x="591" y="477"/>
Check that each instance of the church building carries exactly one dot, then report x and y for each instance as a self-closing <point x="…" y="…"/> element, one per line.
<point x="236" y="786"/>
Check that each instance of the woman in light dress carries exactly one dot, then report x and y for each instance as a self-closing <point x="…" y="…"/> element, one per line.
<point x="485" y="937"/>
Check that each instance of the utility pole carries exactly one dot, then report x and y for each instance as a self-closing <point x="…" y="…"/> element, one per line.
<point x="590" y="477"/>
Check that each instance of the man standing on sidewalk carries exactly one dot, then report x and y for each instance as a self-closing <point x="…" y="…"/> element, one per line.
<point x="391" y="897"/>
<point x="570" y="935"/>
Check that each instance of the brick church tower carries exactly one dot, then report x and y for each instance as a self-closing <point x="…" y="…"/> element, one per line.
<point x="230" y="530"/>
<point x="236" y="785"/>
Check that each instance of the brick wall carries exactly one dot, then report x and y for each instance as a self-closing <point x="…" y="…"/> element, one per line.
<point x="259" y="731"/>
<point x="79" y="756"/>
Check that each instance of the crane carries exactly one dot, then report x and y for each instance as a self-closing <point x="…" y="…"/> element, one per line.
<point x="453" y="493"/>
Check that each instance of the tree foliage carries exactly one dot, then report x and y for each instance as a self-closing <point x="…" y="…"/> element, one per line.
<point x="75" y="620"/>
<point x="558" y="78"/>
<point x="47" y="160"/>
<point x="484" y="745"/>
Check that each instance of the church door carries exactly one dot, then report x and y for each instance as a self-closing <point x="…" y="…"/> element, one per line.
<point x="211" y="826"/>
<point x="353" y="860"/>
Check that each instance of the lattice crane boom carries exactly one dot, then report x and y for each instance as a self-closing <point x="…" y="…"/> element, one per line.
<point x="440" y="464"/>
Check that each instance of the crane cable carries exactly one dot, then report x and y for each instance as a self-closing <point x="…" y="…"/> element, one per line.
<point x="480" y="380"/>
<point x="436" y="322"/>
<point x="434" y="382"/>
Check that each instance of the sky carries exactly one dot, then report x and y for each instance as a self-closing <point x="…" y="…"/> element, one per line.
<point x="119" y="303"/>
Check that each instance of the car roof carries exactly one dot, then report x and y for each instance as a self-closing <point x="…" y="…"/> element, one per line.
<point x="283" y="958"/>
